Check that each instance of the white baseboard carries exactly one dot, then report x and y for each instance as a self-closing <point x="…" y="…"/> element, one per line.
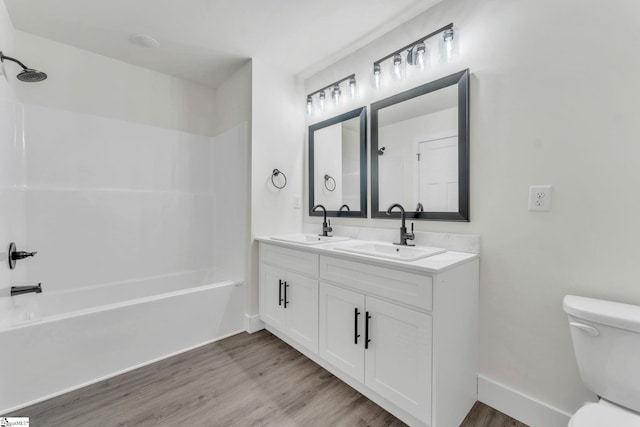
<point x="519" y="406"/>
<point x="252" y="323"/>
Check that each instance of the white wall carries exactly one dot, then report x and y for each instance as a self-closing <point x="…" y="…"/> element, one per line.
<point x="12" y="227"/>
<point x="85" y="82"/>
<point x="276" y="136"/>
<point x="232" y="100"/>
<point x="553" y="101"/>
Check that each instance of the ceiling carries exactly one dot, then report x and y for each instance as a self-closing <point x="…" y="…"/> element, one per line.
<point x="205" y="41"/>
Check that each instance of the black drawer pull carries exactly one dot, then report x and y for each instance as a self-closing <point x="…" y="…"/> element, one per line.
<point x="285" y="295"/>
<point x="280" y="292"/>
<point x="366" y="331"/>
<point x="355" y="332"/>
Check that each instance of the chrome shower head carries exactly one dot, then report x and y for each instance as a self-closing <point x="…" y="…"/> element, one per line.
<point x="27" y="74"/>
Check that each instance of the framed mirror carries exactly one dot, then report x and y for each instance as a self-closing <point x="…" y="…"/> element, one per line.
<point x="338" y="165"/>
<point x="420" y="151"/>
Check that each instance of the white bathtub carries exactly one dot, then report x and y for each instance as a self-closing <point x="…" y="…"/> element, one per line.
<point x="51" y="343"/>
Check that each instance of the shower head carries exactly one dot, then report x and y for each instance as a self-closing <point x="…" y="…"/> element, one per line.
<point x="27" y="74"/>
<point x="30" y="75"/>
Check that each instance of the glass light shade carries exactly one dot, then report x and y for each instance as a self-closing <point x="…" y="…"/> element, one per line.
<point x="397" y="67"/>
<point x="448" y="45"/>
<point x="419" y="59"/>
<point x="352" y="87"/>
<point x="309" y="105"/>
<point x="321" y="103"/>
<point x="335" y="94"/>
<point x="377" y="71"/>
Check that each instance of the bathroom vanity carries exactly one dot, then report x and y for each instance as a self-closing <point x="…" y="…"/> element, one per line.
<point x="404" y="334"/>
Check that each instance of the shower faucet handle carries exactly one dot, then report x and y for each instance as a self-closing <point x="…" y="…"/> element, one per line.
<point x="15" y="255"/>
<point x="21" y="255"/>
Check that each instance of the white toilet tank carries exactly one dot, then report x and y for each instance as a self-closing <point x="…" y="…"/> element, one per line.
<point x="606" y="340"/>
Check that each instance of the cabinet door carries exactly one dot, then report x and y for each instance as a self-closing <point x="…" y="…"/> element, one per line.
<point x="398" y="360"/>
<point x="338" y="329"/>
<point x="302" y="310"/>
<point x="271" y="285"/>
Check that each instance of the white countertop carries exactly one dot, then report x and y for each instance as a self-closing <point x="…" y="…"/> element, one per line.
<point x="433" y="264"/>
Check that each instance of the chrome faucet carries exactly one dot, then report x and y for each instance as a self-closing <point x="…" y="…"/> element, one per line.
<point x="326" y="227"/>
<point x="404" y="236"/>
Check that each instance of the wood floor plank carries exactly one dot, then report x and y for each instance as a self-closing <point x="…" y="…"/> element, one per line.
<point x="482" y="415"/>
<point x="244" y="380"/>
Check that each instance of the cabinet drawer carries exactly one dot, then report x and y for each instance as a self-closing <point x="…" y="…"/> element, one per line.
<point x="289" y="259"/>
<point x="408" y="288"/>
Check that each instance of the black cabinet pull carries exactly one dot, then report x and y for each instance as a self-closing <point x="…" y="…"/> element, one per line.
<point x="280" y="292"/>
<point x="355" y="332"/>
<point x="285" y="295"/>
<point x="366" y="331"/>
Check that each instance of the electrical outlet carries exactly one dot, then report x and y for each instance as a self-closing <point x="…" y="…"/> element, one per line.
<point x="297" y="202"/>
<point x="540" y="198"/>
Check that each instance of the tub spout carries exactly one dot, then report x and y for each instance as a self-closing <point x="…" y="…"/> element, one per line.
<point x="19" y="290"/>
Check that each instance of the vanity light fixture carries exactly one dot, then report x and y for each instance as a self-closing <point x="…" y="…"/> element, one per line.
<point x="336" y="94"/>
<point x="416" y="54"/>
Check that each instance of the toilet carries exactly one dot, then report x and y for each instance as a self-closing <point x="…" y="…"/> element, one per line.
<point x="606" y="340"/>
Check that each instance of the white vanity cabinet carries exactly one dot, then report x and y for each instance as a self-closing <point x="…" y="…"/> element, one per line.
<point x="289" y="293"/>
<point x="402" y="334"/>
<point x="367" y="330"/>
<point x="385" y="346"/>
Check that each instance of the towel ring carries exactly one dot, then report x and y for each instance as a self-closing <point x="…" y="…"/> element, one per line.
<point x="275" y="173"/>
<point x="327" y="185"/>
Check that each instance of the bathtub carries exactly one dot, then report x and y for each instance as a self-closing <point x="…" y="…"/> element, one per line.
<point x="52" y="343"/>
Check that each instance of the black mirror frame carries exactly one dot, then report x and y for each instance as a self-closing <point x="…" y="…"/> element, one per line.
<point x="362" y="114"/>
<point x="462" y="80"/>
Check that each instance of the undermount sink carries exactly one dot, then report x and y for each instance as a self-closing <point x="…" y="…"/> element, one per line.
<point x="390" y="251"/>
<point x="308" y="239"/>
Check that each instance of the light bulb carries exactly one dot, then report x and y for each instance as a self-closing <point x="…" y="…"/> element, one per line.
<point x="352" y="87"/>
<point x="309" y="105"/>
<point x="448" y="45"/>
<point x="376" y="75"/>
<point x="321" y="96"/>
<point x="419" y="60"/>
<point x="335" y="94"/>
<point x="447" y="36"/>
<point x="396" y="66"/>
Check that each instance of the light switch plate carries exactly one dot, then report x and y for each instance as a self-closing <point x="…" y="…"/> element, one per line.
<point x="540" y="198"/>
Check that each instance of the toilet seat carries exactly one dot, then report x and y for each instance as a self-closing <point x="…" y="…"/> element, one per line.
<point x="601" y="415"/>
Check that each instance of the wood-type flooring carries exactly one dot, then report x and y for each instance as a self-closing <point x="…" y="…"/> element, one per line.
<point x="244" y="380"/>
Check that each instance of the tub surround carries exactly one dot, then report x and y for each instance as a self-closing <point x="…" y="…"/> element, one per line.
<point x="404" y="334"/>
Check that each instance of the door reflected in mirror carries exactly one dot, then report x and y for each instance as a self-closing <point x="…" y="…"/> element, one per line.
<point x="337" y="165"/>
<point x="419" y="146"/>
